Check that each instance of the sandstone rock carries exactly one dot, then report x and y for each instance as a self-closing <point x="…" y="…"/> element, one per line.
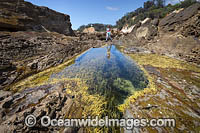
<point x="55" y="105"/>
<point x="99" y="36"/>
<point x="176" y="34"/>
<point x="178" y="18"/>
<point x="147" y="32"/>
<point x="89" y="30"/>
<point x="146" y="21"/>
<point x="26" y="53"/>
<point x="20" y="15"/>
<point x="141" y="32"/>
<point x="126" y="29"/>
<point x="155" y="22"/>
<point x="8" y="103"/>
<point x="4" y="94"/>
<point x="52" y="114"/>
<point x="71" y="130"/>
<point x="149" y="106"/>
<point x="192" y="28"/>
<point x="193" y="56"/>
<point x="2" y="114"/>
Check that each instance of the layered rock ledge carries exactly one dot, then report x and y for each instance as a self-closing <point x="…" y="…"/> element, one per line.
<point x="35" y="38"/>
<point x="26" y="53"/>
<point x="176" y="35"/>
<point x="19" y="15"/>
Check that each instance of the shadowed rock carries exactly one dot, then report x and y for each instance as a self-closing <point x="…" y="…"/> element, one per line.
<point x="18" y="15"/>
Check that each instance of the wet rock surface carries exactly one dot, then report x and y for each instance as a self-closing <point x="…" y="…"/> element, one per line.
<point x="177" y="97"/>
<point x="177" y="89"/>
<point x="26" y="53"/>
<point x="50" y="100"/>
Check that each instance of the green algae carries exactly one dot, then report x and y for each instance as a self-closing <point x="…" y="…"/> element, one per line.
<point x="40" y="78"/>
<point x="94" y="102"/>
<point x="115" y="77"/>
<point x="176" y="71"/>
<point x="150" y="89"/>
<point x="85" y="104"/>
<point x="163" y="62"/>
<point x="100" y="83"/>
<point x="159" y="62"/>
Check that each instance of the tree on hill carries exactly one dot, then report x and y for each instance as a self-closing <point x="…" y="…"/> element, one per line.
<point x="149" y="4"/>
<point x="151" y="9"/>
<point x="160" y="3"/>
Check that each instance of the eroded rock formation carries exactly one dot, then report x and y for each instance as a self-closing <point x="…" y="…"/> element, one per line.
<point x="33" y="38"/>
<point x="18" y="15"/>
<point x="187" y="21"/>
<point x="25" y="53"/>
<point x="177" y="34"/>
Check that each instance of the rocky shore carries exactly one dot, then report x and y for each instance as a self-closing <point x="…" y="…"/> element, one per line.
<point x="50" y="100"/>
<point x="176" y="35"/>
<point x="26" y="53"/>
<point x="34" y="38"/>
<point x="19" y="15"/>
<point x="37" y="41"/>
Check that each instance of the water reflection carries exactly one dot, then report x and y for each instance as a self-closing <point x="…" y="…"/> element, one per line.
<point x="108" y="50"/>
<point x="107" y="72"/>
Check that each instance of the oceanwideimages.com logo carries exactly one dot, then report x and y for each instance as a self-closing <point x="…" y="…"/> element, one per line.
<point x="129" y="123"/>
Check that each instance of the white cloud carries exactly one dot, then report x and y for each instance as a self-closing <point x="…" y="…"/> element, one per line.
<point x="112" y="8"/>
<point x="172" y="1"/>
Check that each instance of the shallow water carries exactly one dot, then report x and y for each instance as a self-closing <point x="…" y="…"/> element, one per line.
<point x="107" y="72"/>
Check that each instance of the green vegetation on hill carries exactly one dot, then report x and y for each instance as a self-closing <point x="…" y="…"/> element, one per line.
<point x="151" y="9"/>
<point x="97" y="27"/>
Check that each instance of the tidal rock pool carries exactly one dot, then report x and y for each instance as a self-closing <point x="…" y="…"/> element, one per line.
<point x="107" y="72"/>
<point x="96" y="83"/>
<point x="105" y="82"/>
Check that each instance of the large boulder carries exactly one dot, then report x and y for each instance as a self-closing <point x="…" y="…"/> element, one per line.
<point x="18" y="15"/>
<point x="142" y="32"/>
<point x="146" y="32"/>
<point x="89" y="30"/>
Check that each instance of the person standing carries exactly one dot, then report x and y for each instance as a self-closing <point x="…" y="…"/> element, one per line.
<point x="108" y="34"/>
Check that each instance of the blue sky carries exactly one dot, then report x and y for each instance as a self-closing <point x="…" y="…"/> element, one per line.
<point x="92" y="11"/>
